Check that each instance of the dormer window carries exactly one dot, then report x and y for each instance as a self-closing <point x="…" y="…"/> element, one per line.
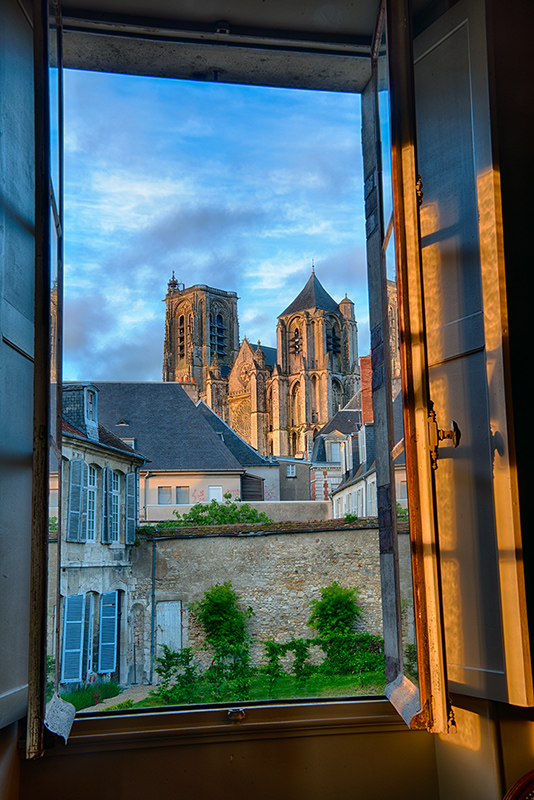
<point x="90" y="405"/>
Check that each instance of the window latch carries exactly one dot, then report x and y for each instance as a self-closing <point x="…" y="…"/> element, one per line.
<point x="437" y="435"/>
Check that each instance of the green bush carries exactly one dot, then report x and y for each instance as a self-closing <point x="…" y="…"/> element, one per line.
<point x="333" y="617"/>
<point x="179" y="677"/>
<point x="224" y="623"/>
<point x="214" y="513"/>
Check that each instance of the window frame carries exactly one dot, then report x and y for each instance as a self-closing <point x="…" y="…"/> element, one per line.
<point x="382" y="707"/>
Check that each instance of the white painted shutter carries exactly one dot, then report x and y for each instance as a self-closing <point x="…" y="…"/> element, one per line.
<point x="73" y="626"/>
<point x="107" y="640"/>
<point x="130" y="507"/>
<point x="107" y="488"/>
<point x="77" y="507"/>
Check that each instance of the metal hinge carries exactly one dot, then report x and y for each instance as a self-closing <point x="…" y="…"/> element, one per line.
<point x="419" y="189"/>
<point x="437" y="435"/>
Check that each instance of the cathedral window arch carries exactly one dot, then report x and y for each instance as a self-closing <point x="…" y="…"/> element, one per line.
<point x="295" y="404"/>
<point x="181" y="336"/>
<point x="218" y="334"/>
<point x="337" y="394"/>
<point x="295" y="343"/>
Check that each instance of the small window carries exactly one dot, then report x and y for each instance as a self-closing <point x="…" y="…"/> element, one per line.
<point x="182" y="495"/>
<point x="164" y="495"/>
<point x="91" y="505"/>
<point x="335" y="451"/>
<point x="115" y="507"/>
<point x="90" y="405"/>
<point x="215" y="493"/>
<point x="291" y="470"/>
<point x="128" y="441"/>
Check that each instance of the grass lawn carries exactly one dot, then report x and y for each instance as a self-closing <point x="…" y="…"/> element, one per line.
<point x="286" y="687"/>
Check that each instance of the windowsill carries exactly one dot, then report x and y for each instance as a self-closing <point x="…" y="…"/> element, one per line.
<point x="121" y="730"/>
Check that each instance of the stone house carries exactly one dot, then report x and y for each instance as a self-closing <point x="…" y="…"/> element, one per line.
<point x="99" y="516"/>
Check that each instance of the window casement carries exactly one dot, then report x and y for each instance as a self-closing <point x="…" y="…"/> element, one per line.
<point x="182" y="495"/>
<point x="88" y="634"/>
<point x="164" y="495"/>
<point x="107" y="505"/>
<point x="115" y="506"/>
<point x="291" y="470"/>
<point x="215" y="493"/>
<point x="334" y="451"/>
<point x="91" y="504"/>
<point x="77" y="508"/>
<point x="107" y="635"/>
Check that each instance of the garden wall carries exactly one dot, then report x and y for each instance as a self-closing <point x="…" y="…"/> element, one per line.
<point x="278" y="575"/>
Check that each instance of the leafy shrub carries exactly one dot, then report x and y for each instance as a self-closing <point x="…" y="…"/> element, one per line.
<point x="178" y="675"/>
<point x="351" y="517"/>
<point x="333" y="616"/>
<point x="214" y="513"/>
<point x="224" y="623"/>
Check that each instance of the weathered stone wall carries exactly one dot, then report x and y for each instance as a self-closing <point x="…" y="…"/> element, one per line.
<point x="278" y="575"/>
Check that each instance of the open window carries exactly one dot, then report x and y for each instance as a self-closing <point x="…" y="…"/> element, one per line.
<point x="423" y="431"/>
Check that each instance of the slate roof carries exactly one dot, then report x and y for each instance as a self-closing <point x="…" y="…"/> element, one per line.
<point x="168" y="428"/>
<point x="245" y="454"/>
<point x="345" y="421"/>
<point x="314" y="295"/>
<point x="271" y="354"/>
<point x="105" y="438"/>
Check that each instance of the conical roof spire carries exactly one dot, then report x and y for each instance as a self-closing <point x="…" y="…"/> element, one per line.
<point x="314" y="295"/>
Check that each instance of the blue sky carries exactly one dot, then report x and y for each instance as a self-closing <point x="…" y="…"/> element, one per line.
<point x="236" y="187"/>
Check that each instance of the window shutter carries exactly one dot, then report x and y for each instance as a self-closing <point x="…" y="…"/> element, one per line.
<point x="85" y="495"/>
<point x="73" y="626"/>
<point x="88" y="635"/>
<point x="107" y="488"/>
<point x="130" y="507"/>
<point x="107" y="649"/>
<point x="76" y="494"/>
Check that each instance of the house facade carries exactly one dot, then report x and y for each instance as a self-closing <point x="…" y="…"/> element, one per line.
<point x="98" y="520"/>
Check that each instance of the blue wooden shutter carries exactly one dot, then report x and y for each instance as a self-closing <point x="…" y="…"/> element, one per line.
<point x="107" y="640"/>
<point x="131" y="505"/>
<point x="107" y="488"/>
<point x="73" y="619"/>
<point x="88" y="635"/>
<point x="76" y="500"/>
<point x="85" y="496"/>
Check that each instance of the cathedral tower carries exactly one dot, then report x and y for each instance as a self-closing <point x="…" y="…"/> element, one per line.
<point x="201" y="335"/>
<point x="317" y="369"/>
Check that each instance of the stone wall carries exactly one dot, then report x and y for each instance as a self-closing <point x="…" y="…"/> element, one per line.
<point x="278" y="575"/>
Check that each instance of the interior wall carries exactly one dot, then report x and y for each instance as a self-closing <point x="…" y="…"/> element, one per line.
<point x="351" y="766"/>
<point x="9" y="763"/>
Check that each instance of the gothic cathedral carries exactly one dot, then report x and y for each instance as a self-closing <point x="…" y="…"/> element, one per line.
<point x="276" y="399"/>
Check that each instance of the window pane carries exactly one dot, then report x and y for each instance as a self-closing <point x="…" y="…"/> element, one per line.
<point x="182" y="495"/>
<point x="164" y="495"/>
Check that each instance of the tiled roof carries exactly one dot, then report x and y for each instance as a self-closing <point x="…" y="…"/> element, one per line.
<point x="245" y="454"/>
<point x="169" y="430"/>
<point x="314" y="295"/>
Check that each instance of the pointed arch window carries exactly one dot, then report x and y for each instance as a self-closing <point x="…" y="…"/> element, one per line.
<point x="181" y="336"/>
<point x="295" y="344"/>
<point x="218" y="335"/>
